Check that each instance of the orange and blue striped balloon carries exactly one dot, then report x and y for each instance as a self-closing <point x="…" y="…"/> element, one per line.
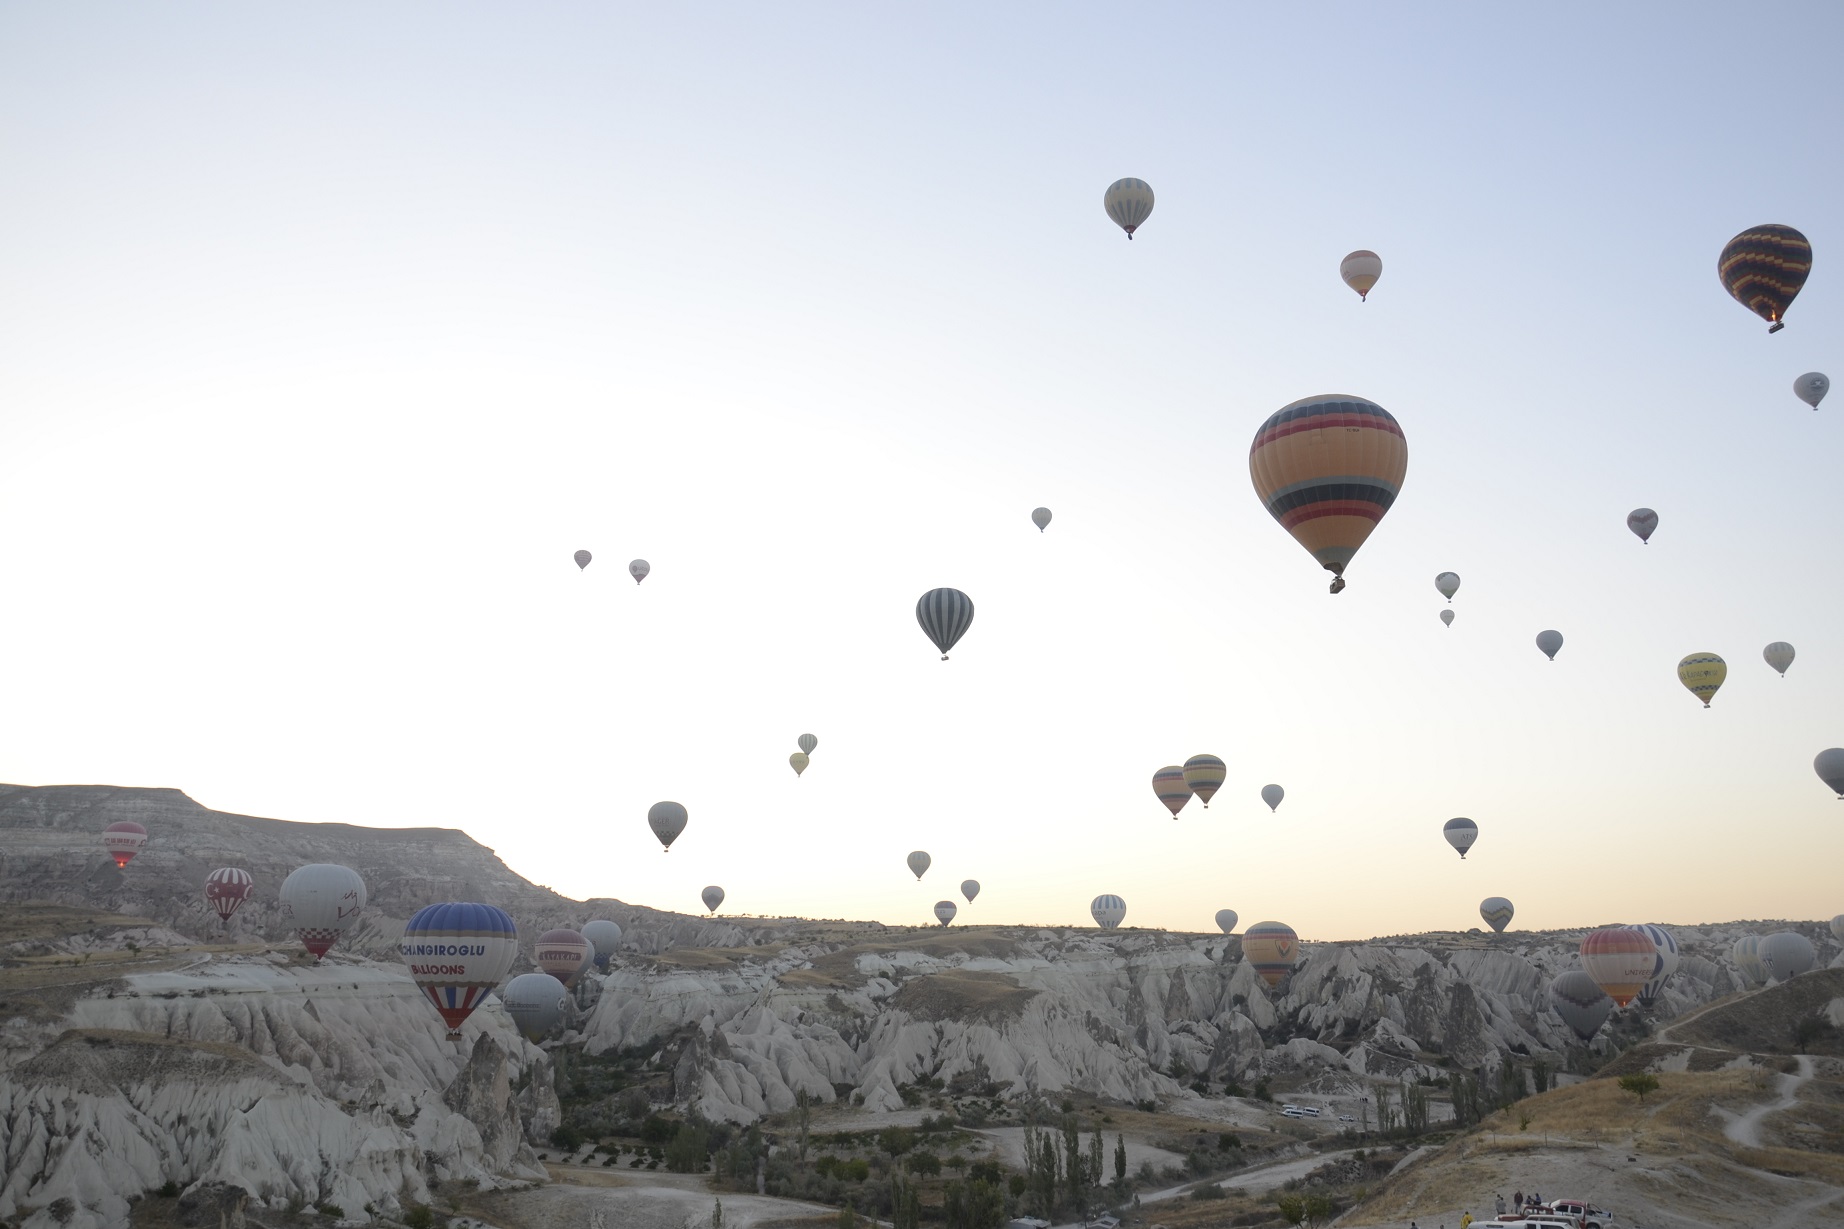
<point x="1328" y="468"/>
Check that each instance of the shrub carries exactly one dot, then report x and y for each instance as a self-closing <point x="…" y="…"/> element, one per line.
<point x="331" y="1209"/>
<point x="168" y="1189"/>
<point x="1207" y="1191"/>
<point x="567" y="1137"/>
<point x="925" y="1163"/>
<point x="855" y="1170"/>
<point x="420" y="1216"/>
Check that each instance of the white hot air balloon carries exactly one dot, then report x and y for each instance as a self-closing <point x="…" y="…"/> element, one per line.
<point x="1129" y="202"/>
<point x="1040" y="517"/>
<point x="1447" y="617"/>
<point x="712" y="896"/>
<point x="320" y="902"/>
<point x="1642" y="521"/>
<point x="970" y="888"/>
<point x="1272" y="795"/>
<point x="638" y="569"/>
<point x="945" y="911"/>
<point x="1829" y="765"/>
<point x="1360" y="270"/>
<point x="918" y="862"/>
<point x="1226" y="921"/>
<point x="1448" y="583"/>
<point x="1812" y="387"/>
<point x="1779" y="655"/>
<point x="535" y="1001"/>
<point x="1460" y="833"/>
<point x="1550" y="642"/>
<point x="605" y="937"/>
<point x="1108" y="911"/>
<point x="1787" y="954"/>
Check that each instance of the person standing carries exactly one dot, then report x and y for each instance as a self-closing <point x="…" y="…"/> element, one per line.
<point x="1517" y="1201"/>
<point x="1501" y="1204"/>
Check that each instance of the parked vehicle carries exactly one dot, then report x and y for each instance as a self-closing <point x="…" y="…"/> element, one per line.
<point x="1590" y="1216"/>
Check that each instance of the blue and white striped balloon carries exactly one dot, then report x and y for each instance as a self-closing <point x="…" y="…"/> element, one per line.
<point x="1664" y="964"/>
<point x="1108" y="911"/>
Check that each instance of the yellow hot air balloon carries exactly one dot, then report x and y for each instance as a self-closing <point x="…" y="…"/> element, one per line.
<point x="1703" y="674"/>
<point x="1328" y="468"/>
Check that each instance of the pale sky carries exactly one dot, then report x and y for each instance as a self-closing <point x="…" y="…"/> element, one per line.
<point x="328" y="333"/>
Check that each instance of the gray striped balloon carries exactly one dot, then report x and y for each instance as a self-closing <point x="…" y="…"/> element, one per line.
<point x="945" y="616"/>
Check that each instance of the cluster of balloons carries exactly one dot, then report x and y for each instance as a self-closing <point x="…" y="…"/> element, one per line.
<point x="1447" y="584"/>
<point x="1200" y="776"/>
<point x="637" y="568"/>
<point x="945" y="910"/>
<point x="801" y="758"/>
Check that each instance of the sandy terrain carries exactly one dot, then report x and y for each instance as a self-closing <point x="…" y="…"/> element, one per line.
<point x="596" y="1199"/>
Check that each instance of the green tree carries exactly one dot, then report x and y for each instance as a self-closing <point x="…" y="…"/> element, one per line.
<point x="688" y="1151"/>
<point x="847" y="1218"/>
<point x="1120" y="1161"/>
<point x="1539" y="1075"/>
<point x="717" y="1215"/>
<point x="803" y="1108"/>
<point x="1639" y="1084"/>
<point x="896" y="1141"/>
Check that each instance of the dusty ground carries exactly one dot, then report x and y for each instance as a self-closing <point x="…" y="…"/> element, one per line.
<point x="595" y="1199"/>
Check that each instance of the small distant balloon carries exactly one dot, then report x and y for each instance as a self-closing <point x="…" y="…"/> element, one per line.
<point x="1204" y="775"/>
<point x="1108" y="911"/>
<point x="1169" y="784"/>
<point x="945" y="911"/>
<point x="1272" y="795"/>
<point x="582" y="558"/>
<point x="1448" y="583"/>
<point x="918" y="862"/>
<point x="1460" y="833"/>
<point x="1779" y="655"/>
<point x="226" y="889"/>
<point x="798" y="762"/>
<point x="1812" y="387"/>
<point x="1226" y="921"/>
<point x="1361" y="269"/>
<point x="1702" y="674"/>
<point x="1040" y="517"/>
<point x="1550" y="642"/>
<point x="1829" y="765"/>
<point x="667" y="819"/>
<point x="1447" y="617"/>
<point x="1496" y="911"/>
<point x="1763" y="268"/>
<point x="712" y="896"/>
<point x="945" y="616"/>
<point x="638" y="569"/>
<point x="970" y="888"/>
<point x="122" y="841"/>
<point x="1129" y="202"/>
<point x="807" y="743"/>
<point x="1642" y="521"/>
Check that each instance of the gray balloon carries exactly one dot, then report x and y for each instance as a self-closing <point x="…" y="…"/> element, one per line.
<point x="1226" y="919"/>
<point x="1787" y="955"/>
<point x="1642" y="521"/>
<point x="1448" y="583"/>
<point x="582" y="558"/>
<point x="1812" y="387"/>
<point x="1583" y="1006"/>
<point x="1272" y="795"/>
<point x="945" y="911"/>
<point x="1040" y="517"/>
<point x="1550" y="642"/>
<point x="1829" y="765"/>
<point x="638" y="569"/>
<point x="1447" y="617"/>
<point x="807" y="743"/>
<point x="535" y="1002"/>
<point x="918" y="862"/>
<point x="970" y="888"/>
<point x="667" y="819"/>
<point x="605" y="937"/>
<point x="713" y="896"/>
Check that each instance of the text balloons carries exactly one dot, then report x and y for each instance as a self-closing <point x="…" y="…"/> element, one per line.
<point x="667" y="819"/>
<point x="970" y="888"/>
<point x="582" y="558"/>
<point x="918" y="862"/>
<point x="1829" y="765"/>
<point x="122" y="841"/>
<point x="1040" y="517"/>
<point x="1496" y="911"/>
<point x="1272" y="949"/>
<point x="1204" y="775"/>
<point x="535" y="1002"/>
<point x="1619" y="960"/>
<point x="1129" y="202"/>
<point x="1779" y="655"/>
<point x="1108" y="911"/>
<point x="1702" y="675"/>
<point x="1812" y="387"/>
<point x="1226" y="921"/>
<point x="562" y="953"/>
<point x="1448" y="583"/>
<point x="712" y="897"/>
<point x="945" y="615"/>
<point x="1361" y="269"/>
<point x="1550" y="642"/>
<point x="1460" y="833"/>
<point x="1583" y="1006"/>
<point x="1272" y="795"/>
<point x="1328" y="468"/>
<point x="226" y="889"/>
<point x="1763" y="268"/>
<point x="606" y="938"/>
<point x="320" y="902"/>
<point x="1642" y="521"/>
<point x="1169" y="784"/>
<point x="457" y="952"/>
<point x="638" y="569"/>
<point x="945" y="911"/>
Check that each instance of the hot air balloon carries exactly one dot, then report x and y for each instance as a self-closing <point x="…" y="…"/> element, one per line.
<point x="945" y="911"/>
<point x="1496" y="911"/>
<point x="1763" y="268"/>
<point x="226" y="889"/>
<point x="1583" y="1006"/>
<point x="1328" y="468"/>
<point x="1361" y="269"/>
<point x="1779" y="655"/>
<point x="945" y="616"/>
<point x="1108" y="911"/>
<point x="1040" y="517"/>
<point x="123" y="841"/>
<point x="667" y="819"/>
<point x="1746" y="953"/>
<point x="1129" y="202"/>
<point x="1829" y="765"/>
<point x="582" y="558"/>
<point x="1664" y="961"/>
<point x="1550" y="642"/>
<point x="535" y="1002"/>
<point x="970" y="888"/>
<point x="457" y="952"/>
<point x="1204" y="776"/>
<point x="918" y="863"/>
<point x="1460" y="833"/>
<point x="1837" y="928"/>
<point x="1448" y="583"/>
<point x="320" y="902"/>
<point x="1169" y="784"/>
<point x="1642" y="521"/>
<point x="562" y="953"/>
<point x="1812" y="387"/>
<point x="1787" y="954"/>
<point x="606" y="937"/>
<point x="1226" y="921"/>
<point x="1272" y="949"/>
<point x="638" y="569"/>
<point x="712" y="896"/>
<point x="1272" y="795"/>
<point x="1447" y="617"/>
<point x="1702" y="674"/>
<point x="807" y="743"/>
<point x="798" y="762"/>
<point x="1619" y="960"/>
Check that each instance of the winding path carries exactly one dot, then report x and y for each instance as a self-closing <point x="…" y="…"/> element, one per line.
<point x="1745" y="1129"/>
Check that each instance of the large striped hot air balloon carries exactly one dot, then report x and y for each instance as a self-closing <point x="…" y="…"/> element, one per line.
<point x="1129" y="202"/>
<point x="1169" y="784"/>
<point x="945" y="616"/>
<point x="1272" y="949"/>
<point x="1702" y="674"/>
<point x="320" y="902"/>
<point x="562" y="953"/>
<point x="1328" y="468"/>
<point x="1108" y="911"/>
<point x="1619" y="960"/>
<point x="457" y="953"/>
<point x="1204" y="776"/>
<point x="1583" y="1006"/>
<point x="226" y="889"/>
<point x="123" y="841"/>
<point x="1763" y="268"/>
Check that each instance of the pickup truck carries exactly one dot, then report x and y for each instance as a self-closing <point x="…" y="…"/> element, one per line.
<point x="1590" y="1216"/>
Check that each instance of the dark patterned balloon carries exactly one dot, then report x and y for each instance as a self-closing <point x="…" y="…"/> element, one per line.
<point x="1763" y="268"/>
<point x="945" y="616"/>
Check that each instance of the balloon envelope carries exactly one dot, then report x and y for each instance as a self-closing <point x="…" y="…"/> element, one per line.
<point x="1779" y="655"/>
<point x="1829" y="765"/>
<point x="562" y="953"/>
<point x="798" y="762"/>
<point x="1619" y="960"/>
<point x="1583" y="1006"/>
<point x="1448" y="583"/>
<point x="1664" y="961"/>
<point x="918" y="862"/>
<point x="807" y="743"/>
<point x="123" y="841"/>
<point x="582" y="558"/>
<point x="226" y="889"/>
<point x="457" y="952"/>
<point x="1272" y="949"/>
<point x="1837" y="928"/>
<point x="1108" y="911"/>
<point x="667" y="819"/>
<point x="638" y="569"/>
<point x="1204" y="776"/>
<point x="1328" y="468"/>
<point x="712" y="896"/>
<point x="1787" y="954"/>
<point x="1496" y="911"/>
<point x="605" y="937"/>
<point x="1040" y="517"/>
<point x="1129" y="202"/>
<point x="1447" y="617"/>
<point x="535" y="1002"/>
<point x="945" y="911"/>
<point x="970" y="888"/>
<point x="945" y="616"/>
<point x="1746" y="954"/>
<point x="1763" y="268"/>
<point x="320" y="902"/>
<point x="1361" y="269"/>
<point x="1272" y="795"/>
<point x="1550" y="642"/>
<point x="1702" y="675"/>
<point x="1226" y="921"/>
<point x="1812" y="387"/>
<point x="1460" y="833"/>
<point x="1169" y="784"/>
<point x="1642" y="521"/>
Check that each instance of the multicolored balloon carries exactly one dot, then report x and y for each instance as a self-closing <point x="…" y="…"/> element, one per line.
<point x="1328" y="468"/>
<point x="1447" y="617"/>
<point x="945" y="911"/>
<point x="945" y="616"/>
<point x="1787" y="954"/>
<point x="1460" y="833"/>
<point x="226" y="889"/>
<point x="1040" y="517"/>
<point x="1812" y="387"/>
<point x="1226" y="921"/>
<point x="1272" y="949"/>
<point x="1779" y="655"/>
<point x="535" y="1003"/>
<point x="1448" y="583"/>
<point x="562" y="953"/>
<point x="712" y="897"/>
<point x="1129" y="202"/>
<point x="1204" y="775"/>
<point x="1169" y="784"/>
<point x="1664" y="962"/>
<point x="1763" y="268"/>
<point x="1272" y="795"/>
<point x="1361" y="269"/>
<point x="1702" y="674"/>
<point x="1619" y="960"/>
<point x="1496" y="911"/>
<point x="667" y="819"/>
<point x="798" y="762"/>
<point x="122" y="841"/>
<point x="638" y="569"/>
<point x="970" y="888"/>
<point x="1583" y="1006"/>
<point x="1108" y="911"/>
<point x="320" y="902"/>
<point x="606" y="938"/>
<point x="1642" y="521"/>
<point x="457" y="952"/>
<point x="582" y="558"/>
<point x="1550" y="642"/>
<point x="1829" y="765"/>
<point x="918" y="862"/>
